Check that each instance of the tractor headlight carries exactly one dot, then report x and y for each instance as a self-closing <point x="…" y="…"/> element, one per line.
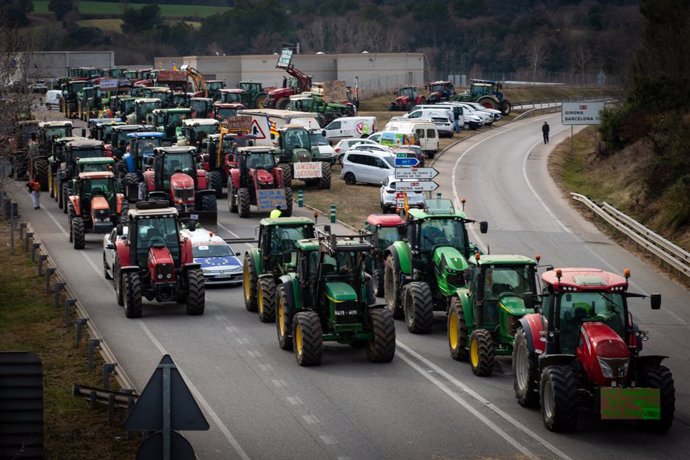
<point x="160" y="276"/>
<point x="168" y="276"/>
<point x="614" y="368"/>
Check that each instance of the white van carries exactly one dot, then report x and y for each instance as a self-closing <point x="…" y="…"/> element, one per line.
<point x="425" y="132"/>
<point x="53" y="97"/>
<point x="344" y="127"/>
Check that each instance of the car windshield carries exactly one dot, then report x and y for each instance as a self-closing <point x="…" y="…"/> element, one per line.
<point x="443" y="231"/>
<point x="577" y="307"/>
<point x="389" y="160"/>
<point x="211" y="250"/>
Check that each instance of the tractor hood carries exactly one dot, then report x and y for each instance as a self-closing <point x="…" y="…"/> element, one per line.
<point x="98" y="203"/>
<point x="264" y="177"/>
<point x="602" y="352"/>
<point x="514" y="305"/>
<point x="449" y="267"/>
<point x="181" y="181"/>
<point x="300" y="155"/>
<point x="338" y="292"/>
<point x="450" y="257"/>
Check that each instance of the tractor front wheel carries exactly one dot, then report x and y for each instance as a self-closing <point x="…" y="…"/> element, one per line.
<point x="457" y="331"/>
<point x="64" y="197"/>
<point x="78" y="236"/>
<point x="505" y="107"/>
<point x="525" y="371"/>
<point x="131" y="287"/>
<point x="482" y="352"/>
<point x="266" y="299"/>
<point x="105" y="270"/>
<point x="308" y="338"/>
<point x="381" y="349"/>
<point x="243" y="202"/>
<point x="131" y="186"/>
<point x="379" y="277"/>
<point x="250" y="283"/>
<point x="287" y="174"/>
<point x="419" y="307"/>
<point x="283" y="320"/>
<point x="196" y="292"/>
<point x="660" y="377"/>
<point x="216" y="182"/>
<point x="232" y="198"/>
<point x="391" y="282"/>
<point x="209" y="203"/>
<point x="559" y="403"/>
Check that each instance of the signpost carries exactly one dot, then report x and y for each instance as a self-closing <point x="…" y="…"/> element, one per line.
<point x="405" y="161"/>
<point x="581" y="113"/>
<point x="415" y="173"/>
<point x="416" y="186"/>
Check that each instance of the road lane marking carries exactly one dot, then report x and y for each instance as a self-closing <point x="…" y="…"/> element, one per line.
<point x="480" y="399"/>
<point x="310" y="419"/>
<point x="294" y="400"/>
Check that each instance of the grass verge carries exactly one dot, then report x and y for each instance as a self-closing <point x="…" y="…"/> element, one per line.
<point x="108" y="8"/>
<point x="29" y="322"/>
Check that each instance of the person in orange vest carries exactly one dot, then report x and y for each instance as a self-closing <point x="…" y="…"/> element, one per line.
<point x="35" y="189"/>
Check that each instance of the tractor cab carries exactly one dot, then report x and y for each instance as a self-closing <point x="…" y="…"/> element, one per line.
<point x="277" y="239"/>
<point x="95" y="164"/>
<point x="96" y="201"/>
<point x="118" y="137"/>
<point x="194" y="130"/>
<point x="213" y="88"/>
<point x="142" y="145"/>
<point x="201" y="106"/>
<point x="180" y="99"/>
<point x="101" y="129"/>
<point x="174" y="160"/>
<point x="169" y="121"/>
<point x="440" y="91"/>
<point x="142" y="108"/>
<point x="253" y="95"/>
<point x="121" y="106"/>
<point x="225" y="111"/>
<point x="295" y="144"/>
<point x="232" y="96"/>
<point x="386" y="229"/>
<point x="48" y="131"/>
<point x="153" y="234"/>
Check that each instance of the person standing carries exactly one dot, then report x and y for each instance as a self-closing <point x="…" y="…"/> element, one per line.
<point x="276" y="212"/>
<point x="35" y="190"/>
<point x="545" y="131"/>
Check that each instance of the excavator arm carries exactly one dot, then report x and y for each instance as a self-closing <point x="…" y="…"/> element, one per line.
<point x="197" y="78"/>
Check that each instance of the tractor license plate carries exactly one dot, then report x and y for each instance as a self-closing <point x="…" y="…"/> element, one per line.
<point x="630" y="403"/>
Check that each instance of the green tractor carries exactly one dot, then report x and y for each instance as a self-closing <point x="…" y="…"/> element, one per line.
<point x="329" y="297"/>
<point x="424" y="272"/>
<point x="274" y="257"/>
<point x="169" y="121"/>
<point x="253" y="95"/>
<point x="327" y="111"/>
<point x="484" y="315"/>
<point x="487" y="93"/>
<point x="295" y="147"/>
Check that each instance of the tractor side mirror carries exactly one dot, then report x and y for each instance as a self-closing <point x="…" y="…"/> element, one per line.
<point x="110" y="246"/>
<point x="467" y="274"/>
<point x="483" y="226"/>
<point x="530" y="299"/>
<point x="83" y="132"/>
<point x="655" y="301"/>
<point x="119" y="230"/>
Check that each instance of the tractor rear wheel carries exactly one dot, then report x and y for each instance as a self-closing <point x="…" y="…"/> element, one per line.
<point x="64" y="197"/>
<point x="409" y="106"/>
<point x="232" y="198"/>
<point x="381" y="349"/>
<point x="131" y="287"/>
<point x="51" y="186"/>
<point x="457" y="331"/>
<point x="266" y="299"/>
<point x="283" y="103"/>
<point x="308" y="338"/>
<point x="525" y="371"/>
<point x="393" y="107"/>
<point x="250" y="283"/>
<point x="78" y="236"/>
<point x="41" y="172"/>
<point x="488" y="102"/>
<point x="131" y="186"/>
<point x="391" y="282"/>
<point x="325" y="180"/>
<point x="287" y="212"/>
<point x="419" y="308"/>
<point x="196" y="292"/>
<point x="283" y="319"/>
<point x="209" y="203"/>
<point x="505" y="107"/>
<point x="216" y="182"/>
<point x="243" y="202"/>
<point x="378" y="277"/>
<point x="58" y="197"/>
<point x="482" y="352"/>
<point x="117" y="284"/>
<point x="287" y="174"/>
<point x="660" y="377"/>
<point x="559" y="402"/>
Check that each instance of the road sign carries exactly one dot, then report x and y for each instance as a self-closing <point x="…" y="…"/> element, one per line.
<point x="400" y="200"/>
<point x="415" y="173"/>
<point x="404" y="161"/>
<point x="416" y="186"/>
<point x="581" y="113"/>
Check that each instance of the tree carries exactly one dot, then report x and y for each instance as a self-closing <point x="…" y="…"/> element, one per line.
<point x="136" y="20"/>
<point x="60" y="7"/>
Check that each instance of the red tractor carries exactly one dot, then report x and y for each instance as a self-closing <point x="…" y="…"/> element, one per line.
<point x="406" y="98"/>
<point x="175" y="177"/>
<point x="582" y="349"/>
<point x="257" y="181"/>
<point x="155" y="262"/>
<point x="440" y="91"/>
<point x="388" y="228"/>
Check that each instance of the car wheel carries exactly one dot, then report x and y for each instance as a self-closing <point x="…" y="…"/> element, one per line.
<point x="350" y="179"/>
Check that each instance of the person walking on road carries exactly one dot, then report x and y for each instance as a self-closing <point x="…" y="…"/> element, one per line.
<point x="35" y="190"/>
<point x="545" y="131"/>
<point x="276" y="212"/>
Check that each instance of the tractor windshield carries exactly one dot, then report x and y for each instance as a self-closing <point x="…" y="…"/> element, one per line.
<point x="178" y="162"/>
<point x="577" y="307"/>
<point x="59" y="131"/>
<point x="301" y="105"/>
<point x="264" y="160"/>
<point x="444" y="232"/>
<point x="126" y="106"/>
<point x="95" y="187"/>
<point x="387" y="236"/>
<point x="283" y="239"/>
<point x="175" y="118"/>
<point x="508" y="280"/>
<point x="87" y="153"/>
<point x="148" y="107"/>
<point x="224" y="113"/>
<point x="437" y="88"/>
<point x="297" y="138"/>
<point x="199" y="106"/>
<point x="207" y="129"/>
<point x="231" y="98"/>
<point x="318" y="139"/>
<point x="342" y="263"/>
<point x="408" y="92"/>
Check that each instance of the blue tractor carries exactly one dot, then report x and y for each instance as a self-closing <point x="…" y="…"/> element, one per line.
<point x="137" y="159"/>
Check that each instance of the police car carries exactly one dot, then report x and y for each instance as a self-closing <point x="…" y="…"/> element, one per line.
<point x="219" y="263"/>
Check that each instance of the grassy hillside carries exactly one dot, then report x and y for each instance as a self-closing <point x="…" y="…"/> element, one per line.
<point x="106" y="8"/>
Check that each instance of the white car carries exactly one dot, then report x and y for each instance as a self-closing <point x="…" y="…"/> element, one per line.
<point x="389" y="199"/>
<point x="344" y="145"/>
<point x="369" y="167"/>
<point x="494" y="113"/>
<point x="219" y="263"/>
<point x="444" y="126"/>
<point x="486" y="117"/>
<point x="109" y="240"/>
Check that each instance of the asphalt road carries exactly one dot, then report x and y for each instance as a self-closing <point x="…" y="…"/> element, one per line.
<point x="260" y="404"/>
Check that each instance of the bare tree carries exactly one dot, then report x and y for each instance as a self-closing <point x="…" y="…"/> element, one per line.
<point x="537" y="52"/>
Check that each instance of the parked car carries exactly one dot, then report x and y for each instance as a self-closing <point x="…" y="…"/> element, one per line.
<point x="369" y="167"/>
<point x="417" y="132"/>
<point x="39" y="86"/>
<point x="344" y="145"/>
<point x="496" y="114"/>
<point x="342" y="128"/>
<point x="444" y="126"/>
<point x="109" y="249"/>
<point x="486" y="117"/>
<point x="52" y="98"/>
<point x="389" y="199"/>
<point x="319" y="142"/>
<point x="219" y="263"/>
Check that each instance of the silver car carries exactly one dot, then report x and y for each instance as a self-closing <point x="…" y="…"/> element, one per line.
<point x="389" y="196"/>
<point x="109" y="240"/>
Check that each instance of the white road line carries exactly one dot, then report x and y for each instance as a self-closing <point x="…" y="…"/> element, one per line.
<point x="279" y="383"/>
<point x="310" y="419"/>
<point x="479" y="398"/>
<point x="328" y="439"/>
<point x="294" y="400"/>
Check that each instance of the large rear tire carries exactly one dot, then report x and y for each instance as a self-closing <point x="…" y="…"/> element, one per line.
<point x="131" y="286"/>
<point x="381" y="349"/>
<point x="482" y="352"/>
<point x="287" y="174"/>
<point x="209" y="203"/>
<point x="41" y="172"/>
<point x="308" y="339"/>
<point x="196" y="292"/>
<point x="78" y="236"/>
<point x="378" y="278"/>
<point x="391" y="282"/>
<point x="457" y="331"/>
<point x="283" y="320"/>
<point x="243" y="202"/>
<point x="525" y="371"/>
<point x="250" y="283"/>
<point x="419" y="307"/>
<point x="266" y="299"/>
<point x="64" y="197"/>
<point x="287" y="212"/>
<point x="232" y="198"/>
<point x="216" y="182"/>
<point x="660" y="377"/>
<point x="559" y="401"/>
<point x="506" y="107"/>
<point x="325" y="180"/>
<point x="130" y="185"/>
<point x="283" y="103"/>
